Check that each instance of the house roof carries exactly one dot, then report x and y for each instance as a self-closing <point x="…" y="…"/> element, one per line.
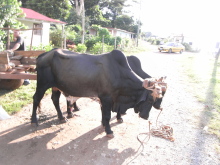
<point x="31" y="14"/>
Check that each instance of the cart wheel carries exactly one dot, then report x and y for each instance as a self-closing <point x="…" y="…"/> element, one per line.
<point x="10" y="84"/>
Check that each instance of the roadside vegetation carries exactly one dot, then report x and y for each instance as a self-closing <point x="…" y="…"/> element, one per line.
<point x="203" y="74"/>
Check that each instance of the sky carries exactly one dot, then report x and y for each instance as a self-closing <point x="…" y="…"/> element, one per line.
<point x="197" y="19"/>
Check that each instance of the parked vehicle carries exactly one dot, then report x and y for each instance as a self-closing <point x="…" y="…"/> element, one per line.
<point x="171" y="47"/>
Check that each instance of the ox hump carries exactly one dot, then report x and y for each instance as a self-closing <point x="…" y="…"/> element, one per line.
<point x="119" y="57"/>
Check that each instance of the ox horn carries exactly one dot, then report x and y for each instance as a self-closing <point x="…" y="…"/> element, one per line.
<point x="148" y="83"/>
<point x="162" y="79"/>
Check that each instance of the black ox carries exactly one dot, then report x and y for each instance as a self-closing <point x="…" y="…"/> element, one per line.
<point x="135" y="65"/>
<point x="106" y="76"/>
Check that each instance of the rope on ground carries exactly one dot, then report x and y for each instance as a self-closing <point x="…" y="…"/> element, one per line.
<point x="163" y="131"/>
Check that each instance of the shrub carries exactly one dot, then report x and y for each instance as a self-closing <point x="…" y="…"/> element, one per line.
<point x="103" y="32"/>
<point x="157" y="42"/>
<point x="81" y="48"/>
<point x="187" y="46"/>
<point x="91" y="42"/>
<point x="48" y="47"/>
<point x="99" y="48"/>
<point x="56" y="37"/>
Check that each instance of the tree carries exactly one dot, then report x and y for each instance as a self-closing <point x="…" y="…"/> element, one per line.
<point x="10" y="10"/>
<point x="112" y="8"/>
<point x="96" y="17"/>
<point x="124" y="22"/>
<point x="54" y="8"/>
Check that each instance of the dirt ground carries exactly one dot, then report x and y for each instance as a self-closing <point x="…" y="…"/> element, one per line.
<point x="82" y="140"/>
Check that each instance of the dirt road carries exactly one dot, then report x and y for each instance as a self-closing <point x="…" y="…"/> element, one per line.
<point x="82" y="141"/>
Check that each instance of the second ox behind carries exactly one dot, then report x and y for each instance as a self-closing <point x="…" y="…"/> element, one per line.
<point x="106" y="76"/>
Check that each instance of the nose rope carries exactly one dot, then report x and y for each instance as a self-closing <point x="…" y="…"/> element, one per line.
<point x="164" y="131"/>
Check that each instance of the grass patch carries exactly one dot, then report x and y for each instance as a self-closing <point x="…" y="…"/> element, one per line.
<point x="13" y="100"/>
<point x="142" y="47"/>
<point x="203" y="73"/>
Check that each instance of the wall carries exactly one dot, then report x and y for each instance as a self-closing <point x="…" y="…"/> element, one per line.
<point x="37" y="39"/>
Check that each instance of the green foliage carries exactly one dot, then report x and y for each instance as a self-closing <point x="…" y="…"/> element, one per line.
<point x="10" y="10"/>
<point x="77" y="28"/>
<point x="56" y="37"/>
<point x="112" y="9"/>
<point x="124" y="22"/>
<point x="99" y="48"/>
<point x="70" y="32"/>
<point x="187" y="46"/>
<point x="91" y="42"/>
<point x="157" y="42"/>
<point x="48" y="47"/>
<point x="96" y="17"/>
<point x="81" y="48"/>
<point x="103" y="32"/>
<point x="54" y="9"/>
<point x="95" y="27"/>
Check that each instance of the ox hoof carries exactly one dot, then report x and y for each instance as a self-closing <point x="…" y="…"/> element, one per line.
<point x="64" y="120"/>
<point x="34" y="124"/>
<point x="75" y="110"/>
<point x="70" y="116"/>
<point x="110" y="135"/>
<point x="120" y="120"/>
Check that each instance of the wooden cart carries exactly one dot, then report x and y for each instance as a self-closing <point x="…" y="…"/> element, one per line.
<point x="13" y="70"/>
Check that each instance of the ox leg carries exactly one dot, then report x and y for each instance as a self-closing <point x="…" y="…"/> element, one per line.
<point x="119" y="118"/>
<point x="69" y="109"/>
<point x="76" y="108"/>
<point x="36" y="102"/>
<point x="106" y="105"/>
<point x="55" y="98"/>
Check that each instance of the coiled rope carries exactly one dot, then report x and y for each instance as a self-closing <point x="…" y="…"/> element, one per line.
<point x="163" y="131"/>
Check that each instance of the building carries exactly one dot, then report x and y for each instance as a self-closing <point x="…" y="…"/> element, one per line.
<point x="115" y="32"/>
<point x="34" y="19"/>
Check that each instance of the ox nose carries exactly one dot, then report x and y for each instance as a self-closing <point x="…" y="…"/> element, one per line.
<point x="144" y="116"/>
<point x="158" y="108"/>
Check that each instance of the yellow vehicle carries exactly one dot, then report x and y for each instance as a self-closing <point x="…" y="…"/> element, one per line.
<point x="171" y="47"/>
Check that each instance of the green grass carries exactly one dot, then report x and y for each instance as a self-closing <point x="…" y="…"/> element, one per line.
<point x="203" y="74"/>
<point x="142" y="47"/>
<point x="13" y="100"/>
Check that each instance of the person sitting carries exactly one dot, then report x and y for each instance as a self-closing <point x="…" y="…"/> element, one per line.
<point x="19" y="41"/>
<point x="19" y="44"/>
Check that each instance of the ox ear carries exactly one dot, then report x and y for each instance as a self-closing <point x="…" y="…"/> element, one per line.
<point x="143" y="97"/>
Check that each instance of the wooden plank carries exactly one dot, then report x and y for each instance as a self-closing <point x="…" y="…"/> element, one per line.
<point x="4" y="58"/>
<point x="30" y="53"/>
<point x="28" y="60"/>
<point x="4" y="67"/>
<point x="6" y="75"/>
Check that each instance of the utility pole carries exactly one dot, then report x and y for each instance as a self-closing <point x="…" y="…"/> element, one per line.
<point x="83" y="22"/>
<point x="139" y="21"/>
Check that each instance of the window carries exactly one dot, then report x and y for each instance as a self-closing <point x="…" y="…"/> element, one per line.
<point x="37" y="25"/>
